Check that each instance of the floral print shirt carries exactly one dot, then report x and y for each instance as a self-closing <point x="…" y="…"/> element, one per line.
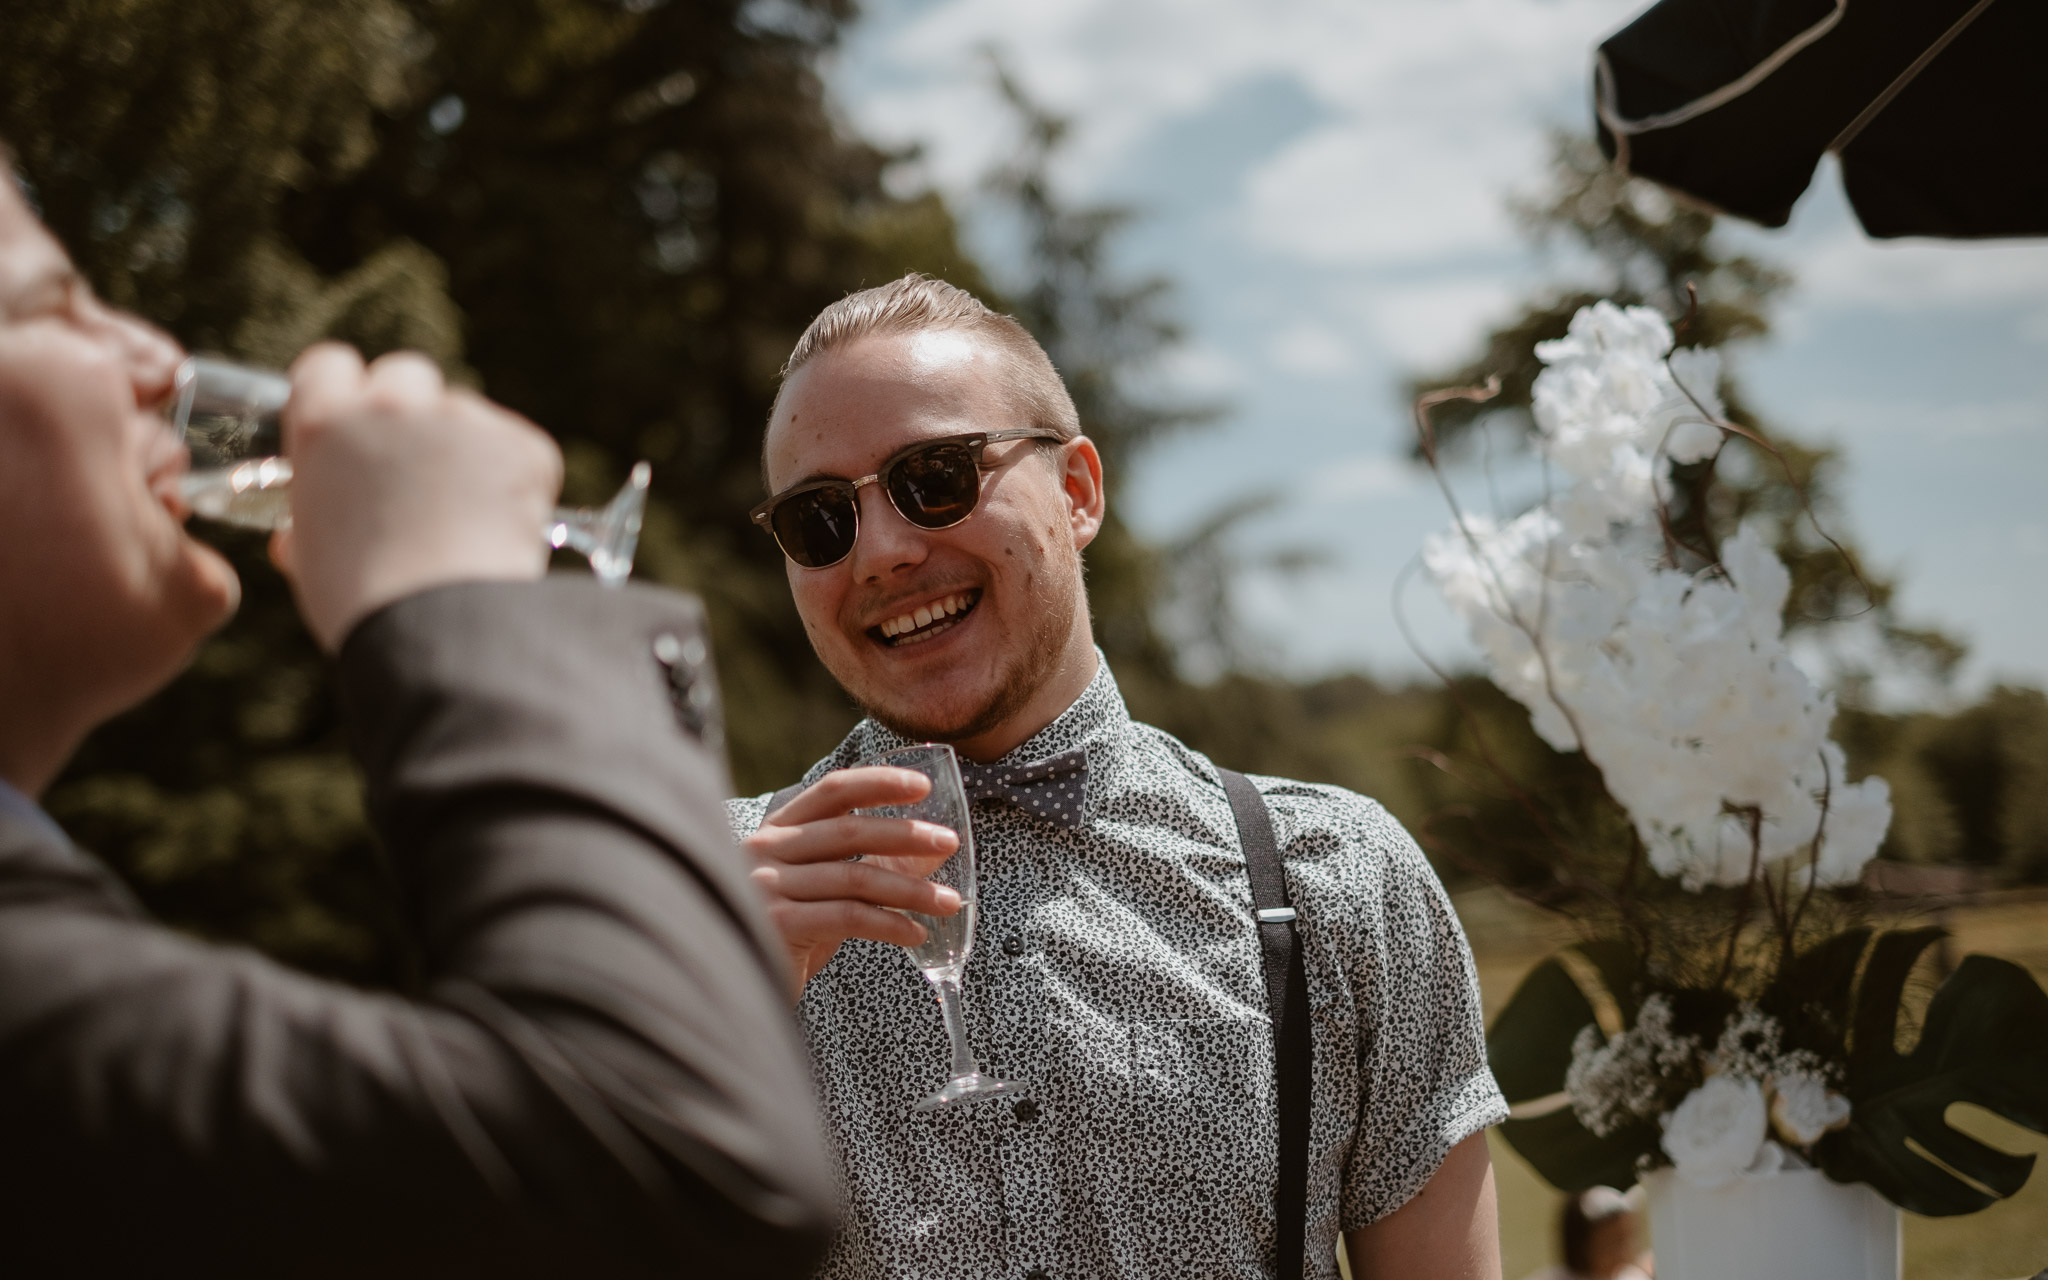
<point x="1116" y="973"/>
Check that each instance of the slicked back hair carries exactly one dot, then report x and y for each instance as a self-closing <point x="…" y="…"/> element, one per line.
<point x="919" y="304"/>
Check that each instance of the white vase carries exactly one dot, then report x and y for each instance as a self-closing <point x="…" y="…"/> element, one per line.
<point x="1794" y="1225"/>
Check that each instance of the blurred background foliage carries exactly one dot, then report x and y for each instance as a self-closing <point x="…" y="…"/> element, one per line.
<point x="616" y="216"/>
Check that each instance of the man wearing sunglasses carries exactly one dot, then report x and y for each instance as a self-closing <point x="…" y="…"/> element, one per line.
<point x="933" y="495"/>
<point x="597" y="1077"/>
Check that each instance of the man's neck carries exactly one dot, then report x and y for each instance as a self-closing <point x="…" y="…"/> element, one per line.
<point x="38" y="733"/>
<point x="1069" y="680"/>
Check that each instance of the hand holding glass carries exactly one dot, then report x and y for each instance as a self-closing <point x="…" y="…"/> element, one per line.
<point x="948" y="940"/>
<point x="227" y="415"/>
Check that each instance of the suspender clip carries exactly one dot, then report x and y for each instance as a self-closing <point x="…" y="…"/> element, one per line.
<point x="1275" y="915"/>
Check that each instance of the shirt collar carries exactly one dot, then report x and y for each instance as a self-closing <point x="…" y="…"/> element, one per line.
<point x="20" y="806"/>
<point x="1098" y="714"/>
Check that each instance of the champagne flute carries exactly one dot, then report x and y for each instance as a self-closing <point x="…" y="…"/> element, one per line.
<point x="228" y="416"/>
<point x="948" y="940"/>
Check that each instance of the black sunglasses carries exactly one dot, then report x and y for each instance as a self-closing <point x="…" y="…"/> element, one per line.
<point x="934" y="484"/>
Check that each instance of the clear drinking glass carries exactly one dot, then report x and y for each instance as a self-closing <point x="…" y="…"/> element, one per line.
<point x="228" y="414"/>
<point x="948" y="940"/>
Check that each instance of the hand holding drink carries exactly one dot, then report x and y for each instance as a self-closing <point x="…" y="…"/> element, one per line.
<point x="234" y="421"/>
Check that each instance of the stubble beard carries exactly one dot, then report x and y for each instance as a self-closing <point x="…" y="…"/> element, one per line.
<point x="1033" y="665"/>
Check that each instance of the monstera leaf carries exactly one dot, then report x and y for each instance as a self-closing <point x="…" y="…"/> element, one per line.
<point x="1530" y="1049"/>
<point x="1984" y="1041"/>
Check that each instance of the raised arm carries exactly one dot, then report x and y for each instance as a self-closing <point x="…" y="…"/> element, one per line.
<point x="598" y="1076"/>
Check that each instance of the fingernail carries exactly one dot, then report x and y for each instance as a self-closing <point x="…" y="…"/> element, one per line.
<point x="937" y="836"/>
<point x="949" y="898"/>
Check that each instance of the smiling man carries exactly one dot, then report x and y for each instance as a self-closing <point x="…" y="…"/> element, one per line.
<point x="933" y="494"/>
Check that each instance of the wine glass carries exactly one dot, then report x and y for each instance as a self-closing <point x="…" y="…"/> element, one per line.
<point x="227" y="415"/>
<point x="948" y="940"/>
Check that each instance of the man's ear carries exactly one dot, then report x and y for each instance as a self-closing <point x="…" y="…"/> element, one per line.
<point x="1081" y="479"/>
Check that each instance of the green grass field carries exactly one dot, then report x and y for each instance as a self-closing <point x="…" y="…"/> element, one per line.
<point x="2007" y="1241"/>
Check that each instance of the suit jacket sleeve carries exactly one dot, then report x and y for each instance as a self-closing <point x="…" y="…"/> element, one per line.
<point x="600" y="1077"/>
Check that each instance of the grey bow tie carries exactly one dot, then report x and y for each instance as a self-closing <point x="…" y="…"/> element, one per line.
<point x="1054" y="788"/>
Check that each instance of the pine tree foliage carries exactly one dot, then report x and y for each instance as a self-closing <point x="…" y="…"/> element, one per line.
<point x="615" y="217"/>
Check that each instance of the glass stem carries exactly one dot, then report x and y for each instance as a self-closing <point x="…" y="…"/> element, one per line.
<point x="956" y="1027"/>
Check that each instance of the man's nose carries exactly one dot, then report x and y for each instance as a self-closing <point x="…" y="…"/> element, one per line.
<point x="151" y="355"/>
<point x="887" y="543"/>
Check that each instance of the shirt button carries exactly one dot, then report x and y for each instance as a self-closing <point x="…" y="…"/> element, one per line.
<point x="1025" y="1111"/>
<point x="1013" y="945"/>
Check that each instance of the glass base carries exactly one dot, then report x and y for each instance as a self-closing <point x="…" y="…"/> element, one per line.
<point x="968" y="1088"/>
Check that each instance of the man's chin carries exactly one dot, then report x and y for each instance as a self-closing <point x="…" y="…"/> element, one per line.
<point x="206" y="594"/>
<point x="957" y="721"/>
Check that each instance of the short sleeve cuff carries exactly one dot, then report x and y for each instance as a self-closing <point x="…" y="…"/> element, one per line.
<point x="1473" y="1105"/>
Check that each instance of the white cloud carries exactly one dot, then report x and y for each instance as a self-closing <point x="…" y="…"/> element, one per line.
<point x="1432" y="102"/>
<point x="1931" y="421"/>
<point x="1194" y="369"/>
<point x="1311" y="350"/>
<point x="1852" y="270"/>
<point x="1432" y="324"/>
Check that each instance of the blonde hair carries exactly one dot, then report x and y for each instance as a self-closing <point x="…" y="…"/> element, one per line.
<point x="919" y="304"/>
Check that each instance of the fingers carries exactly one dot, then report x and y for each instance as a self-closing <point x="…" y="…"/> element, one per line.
<point x="281" y="551"/>
<point x="813" y="926"/>
<point x="326" y="378"/>
<point x="855" y="836"/>
<point x="844" y="790"/>
<point x="857" y="882"/>
<point x="403" y="380"/>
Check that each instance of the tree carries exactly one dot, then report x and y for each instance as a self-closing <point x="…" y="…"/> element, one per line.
<point x="616" y="217"/>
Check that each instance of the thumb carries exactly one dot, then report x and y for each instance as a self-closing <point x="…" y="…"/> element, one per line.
<point x="281" y="546"/>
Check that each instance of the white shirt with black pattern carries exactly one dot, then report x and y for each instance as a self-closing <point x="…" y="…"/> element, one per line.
<point x="1116" y="973"/>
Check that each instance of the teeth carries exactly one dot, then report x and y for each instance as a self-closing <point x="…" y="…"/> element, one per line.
<point x="925" y="615"/>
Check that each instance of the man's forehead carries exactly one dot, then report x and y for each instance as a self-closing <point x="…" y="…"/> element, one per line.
<point x="850" y="407"/>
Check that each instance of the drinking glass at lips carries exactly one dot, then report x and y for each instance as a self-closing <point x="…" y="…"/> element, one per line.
<point x="228" y="417"/>
<point x="948" y="940"/>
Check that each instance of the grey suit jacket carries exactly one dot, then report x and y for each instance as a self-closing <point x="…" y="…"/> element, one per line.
<point x="600" y="1078"/>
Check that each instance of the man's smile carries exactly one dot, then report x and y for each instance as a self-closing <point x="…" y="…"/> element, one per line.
<point x="922" y="622"/>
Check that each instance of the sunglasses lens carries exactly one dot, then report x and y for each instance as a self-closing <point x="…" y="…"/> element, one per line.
<point x="936" y="487"/>
<point x="815" y="527"/>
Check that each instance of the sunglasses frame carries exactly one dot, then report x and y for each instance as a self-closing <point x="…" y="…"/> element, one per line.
<point x="763" y="514"/>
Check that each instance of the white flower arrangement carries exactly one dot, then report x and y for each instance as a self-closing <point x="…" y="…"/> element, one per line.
<point x="1677" y="685"/>
<point x="1721" y="1127"/>
<point x="1663" y="661"/>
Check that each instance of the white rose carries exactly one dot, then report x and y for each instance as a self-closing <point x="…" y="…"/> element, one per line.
<point x="1717" y="1132"/>
<point x="1805" y="1108"/>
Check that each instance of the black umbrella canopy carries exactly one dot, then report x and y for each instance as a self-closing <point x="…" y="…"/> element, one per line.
<point x="1938" y="109"/>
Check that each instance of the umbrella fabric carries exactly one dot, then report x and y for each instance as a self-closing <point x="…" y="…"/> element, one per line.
<point x="1938" y="109"/>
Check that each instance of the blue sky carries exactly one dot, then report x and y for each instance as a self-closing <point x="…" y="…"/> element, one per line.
<point x="1326" y="181"/>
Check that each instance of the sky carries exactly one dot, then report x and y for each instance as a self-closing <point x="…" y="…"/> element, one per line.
<point x="1326" y="181"/>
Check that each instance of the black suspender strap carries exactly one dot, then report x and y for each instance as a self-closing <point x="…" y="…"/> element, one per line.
<point x="1287" y="1000"/>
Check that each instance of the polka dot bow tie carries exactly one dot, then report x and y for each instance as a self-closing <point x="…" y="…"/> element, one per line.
<point x="1053" y="788"/>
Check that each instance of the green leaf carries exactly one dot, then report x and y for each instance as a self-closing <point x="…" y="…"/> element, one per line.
<point x="1984" y="1041"/>
<point x="1530" y="1050"/>
<point x="1621" y="971"/>
<point x="1882" y="991"/>
<point x="1530" y="1045"/>
<point x="1572" y="1158"/>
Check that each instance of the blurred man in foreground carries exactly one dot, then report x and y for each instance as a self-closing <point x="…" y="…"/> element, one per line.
<point x="933" y="494"/>
<point x="600" y="1079"/>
